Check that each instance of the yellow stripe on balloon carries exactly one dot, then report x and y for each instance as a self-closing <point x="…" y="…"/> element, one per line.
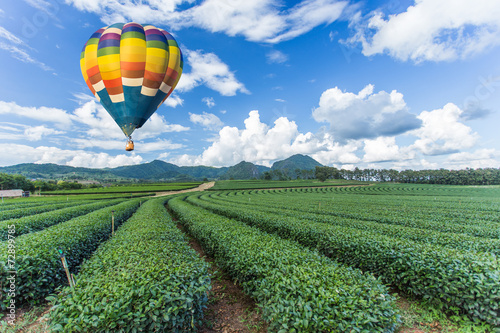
<point x="110" y="75"/>
<point x="91" y="56"/>
<point x="156" y="64"/>
<point x="132" y="42"/>
<point x="109" y="63"/>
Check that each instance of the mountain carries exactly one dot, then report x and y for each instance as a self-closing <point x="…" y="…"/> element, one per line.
<point x="244" y="170"/>
<point x="158" y="171"/>
<point x="152" y="170"/>
<point x="55" y="171"/>
<point x="296" y="161"/>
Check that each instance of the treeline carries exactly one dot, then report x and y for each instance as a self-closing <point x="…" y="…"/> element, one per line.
<point x="487" y="176"/>
<point x="14" y="182"/>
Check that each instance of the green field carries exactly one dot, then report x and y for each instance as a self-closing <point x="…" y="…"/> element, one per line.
<point x="139" y="188"/>
<point x="262" y="184"/>
<point x="314" y="258"/>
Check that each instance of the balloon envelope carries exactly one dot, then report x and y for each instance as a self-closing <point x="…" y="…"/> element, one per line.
<point x="131" y="69"/>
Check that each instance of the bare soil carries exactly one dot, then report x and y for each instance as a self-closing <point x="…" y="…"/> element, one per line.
<point x="229" y="309"/>
<point x="202" y="187"/>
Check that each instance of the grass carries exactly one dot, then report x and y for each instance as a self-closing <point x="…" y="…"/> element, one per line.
<point x="418" y="317"/>
<point x="27" y="321"/>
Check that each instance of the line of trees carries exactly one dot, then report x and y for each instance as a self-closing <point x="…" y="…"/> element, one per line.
<point x="14" y="182"/>
<point x="486" y="176"/>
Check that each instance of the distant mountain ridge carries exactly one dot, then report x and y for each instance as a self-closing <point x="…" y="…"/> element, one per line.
<point x="158" y="170"/>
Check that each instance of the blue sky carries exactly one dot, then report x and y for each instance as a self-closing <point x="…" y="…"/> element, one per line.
<point x="371" y="84"/>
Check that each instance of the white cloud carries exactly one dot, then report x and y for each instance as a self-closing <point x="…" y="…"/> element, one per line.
<point x="4" y="33"/>
<point x="335" y="153"/>
<point x="15" y="154"/>
<point x="433" y="30"/>
<point x="257" y="143"/>
<point x="207" y="120"/>
<point x="385" y="149"/>
<point x="157" y="125"/>
<point x="208" y="69"/>
<point x="257" y="20"/>
<point x="209" y="101"/>
<point x="173" y="100"/>
<point x="16" y="47"/>
<point x="364" y="115"/>
<point x="307" y="15"/>
<point x="481" y="158"/>
<point x="100" y="123"/>
<point x="442" y="132"/>
<point x="36" y="133"/>
<point x="157" y="145"/>
<point x="103" y="160"/>
<point x="23" y="56"/>
<point x="59" y="117"/>
<point x="279" y="100"/>
<point x="276" y="57"/>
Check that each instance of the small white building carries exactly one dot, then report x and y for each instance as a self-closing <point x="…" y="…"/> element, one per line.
<point x="11" y="193"/>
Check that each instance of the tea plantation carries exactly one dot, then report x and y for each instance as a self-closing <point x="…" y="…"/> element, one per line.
<point x="315" y="259"/>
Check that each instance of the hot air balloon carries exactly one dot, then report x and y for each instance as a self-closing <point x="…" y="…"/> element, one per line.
<point x="131" y="69"/>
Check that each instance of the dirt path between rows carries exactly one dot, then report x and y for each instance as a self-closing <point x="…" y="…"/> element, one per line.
<point x="202" y="187"/>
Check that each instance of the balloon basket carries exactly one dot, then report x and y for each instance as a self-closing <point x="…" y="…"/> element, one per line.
<point x="130" y="145"/>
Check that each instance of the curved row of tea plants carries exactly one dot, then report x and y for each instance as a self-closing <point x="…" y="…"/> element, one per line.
<point x="380" y="210"/>
<point x="238" y="209"/>
<point x="144" y="279"/>
<point x="27" y="211"/>
<point x="298" y="289"/>
<point x="452" y="279"/>
<point x="139" y="188"/>
<point x="22" y="204"/>
<point x="41" y="221"/>
<point x="37" y="263"/>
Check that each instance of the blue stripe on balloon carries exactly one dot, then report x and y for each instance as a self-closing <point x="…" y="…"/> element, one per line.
<point x="108" y="43"/>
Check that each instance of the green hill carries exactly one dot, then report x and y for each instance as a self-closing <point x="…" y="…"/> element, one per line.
<point x="296" y="161"/>
<point x="244" y="170"/>
<point x="157" y="171"/>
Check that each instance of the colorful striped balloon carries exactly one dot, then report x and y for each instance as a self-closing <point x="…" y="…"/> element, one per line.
<point x="131" y="69"/>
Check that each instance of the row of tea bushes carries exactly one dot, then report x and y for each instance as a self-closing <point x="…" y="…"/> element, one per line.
<point x="452" y="240"/>
<point x="299" y="290"/>
<point x="450" y="278"/>
<point x="41" y="221"/>
<point x="144" y="279"/>
<point x="26" y="211"/>
<point x="37" y="261"/>
<point x="363" y="208"/>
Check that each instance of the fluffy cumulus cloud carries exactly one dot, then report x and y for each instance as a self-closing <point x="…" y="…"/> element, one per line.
<point x="257" y="20"/>
<point x="99" y="123"/>
<point x="365" y="114"/>
<point x="36" y="133"/>
<point x="257" y="142"/>
<point x="16" y="153"/>
<point x="334" y="153"/>
<point x="433" y="30"/>
<point x="384" y="149"/>
<point x="442" y="132"/>
<point x="207" y="120"/>
<point x="89" y="126"/>
<point x="208" y="69"/>
<point x="480" y="158"/>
